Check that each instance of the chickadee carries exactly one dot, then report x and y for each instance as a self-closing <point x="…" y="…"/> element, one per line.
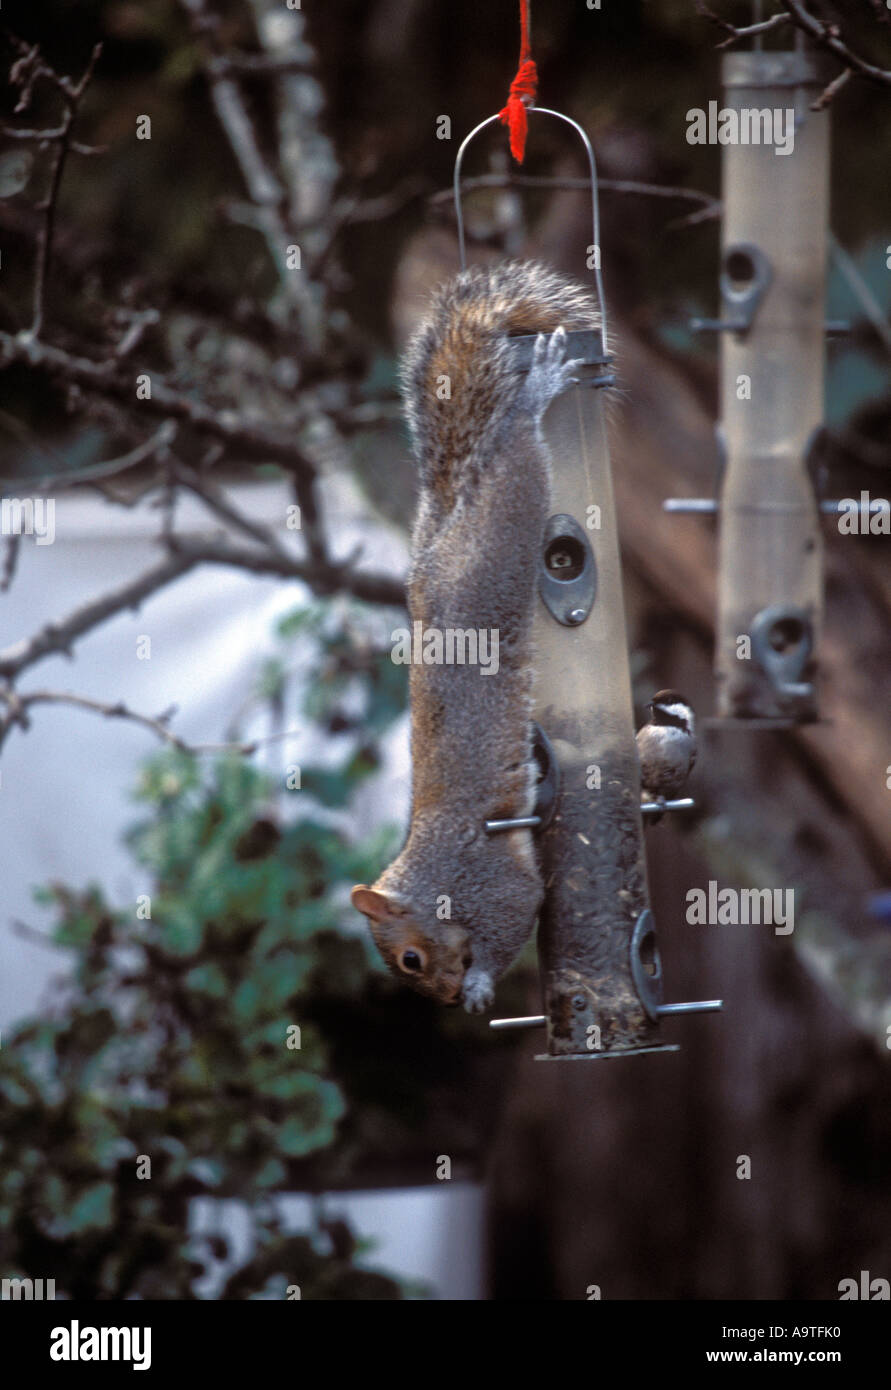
<point x="666" y="747"/>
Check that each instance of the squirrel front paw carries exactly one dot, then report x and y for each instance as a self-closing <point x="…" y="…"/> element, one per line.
<point x="478" y="990"/>
<point x="551" y="372"/>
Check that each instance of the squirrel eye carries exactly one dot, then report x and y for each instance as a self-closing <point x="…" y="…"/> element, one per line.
<point x="411" y="961"/>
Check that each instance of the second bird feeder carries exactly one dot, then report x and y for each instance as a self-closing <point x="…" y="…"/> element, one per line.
<point x="772" y="327"/>
<point x="772" y="375"/>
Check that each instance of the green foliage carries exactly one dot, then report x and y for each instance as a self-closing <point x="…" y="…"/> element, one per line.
<point x="174" y="1041"/>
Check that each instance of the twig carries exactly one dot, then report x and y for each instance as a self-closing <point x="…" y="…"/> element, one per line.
<point x="749" y="31"/>
<point x="252" y="439"/>
<point x="264" y="188"/>
<point x="330" y="579"/>
<point x="72" y="94"/>
<point x="18" y="704"/>
<point x="256" y="65"/>
<point x="709" y="204"/>
<point x="214" y="498"/>
<point x="828" y="36"/>
<point x="832" y="89"/>
<point x="59" y="636"/>
<point x="46" y="137"/>
<point x="824" y="34"/>
<point x="32" y="934"/>
<point x="10" y="561"/>
<point x="159" y="442"/>
<point x="139" y="322"/>
<point x="306" y="159"/>
<point x="347" y="212"/>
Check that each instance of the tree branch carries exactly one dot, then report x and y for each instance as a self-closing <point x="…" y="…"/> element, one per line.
<point x="330" y="578"/>
<point x="264" y="188"/>
<point x="252" y="439"/>
<point x="158" y="443"/>
<point x="24" y="73"/>
<point x="764" y="26"/>
<point x="828" y="36"/>
<point x="630" y="186"/>
<point x="59" y="636"/>
<point x="214" y="498"/>
<point x="13" y="545"/>
<point x="18" y="706"/>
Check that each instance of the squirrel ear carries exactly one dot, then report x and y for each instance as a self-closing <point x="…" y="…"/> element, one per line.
<point x="375" y="905"/>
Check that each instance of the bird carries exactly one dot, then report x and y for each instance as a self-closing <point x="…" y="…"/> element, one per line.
<point x="666" y="747"/>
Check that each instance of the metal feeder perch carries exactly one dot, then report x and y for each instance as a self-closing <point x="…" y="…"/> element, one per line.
<point x="600" y="968"/>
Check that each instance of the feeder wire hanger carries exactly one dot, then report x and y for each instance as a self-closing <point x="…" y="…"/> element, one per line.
<point x="520" y="103"/>
<point x="641" y="971"/>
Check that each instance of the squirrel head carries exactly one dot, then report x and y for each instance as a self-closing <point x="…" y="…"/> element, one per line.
<point x="434" y="965"/>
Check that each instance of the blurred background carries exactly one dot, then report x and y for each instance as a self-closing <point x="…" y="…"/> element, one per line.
<point x="176" y="849"/>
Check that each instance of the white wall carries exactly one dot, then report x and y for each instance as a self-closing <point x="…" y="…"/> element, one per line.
<point x="65" y="785"/>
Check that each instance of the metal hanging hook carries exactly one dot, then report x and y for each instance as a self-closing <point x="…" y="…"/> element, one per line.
<point x="595" y="207"/>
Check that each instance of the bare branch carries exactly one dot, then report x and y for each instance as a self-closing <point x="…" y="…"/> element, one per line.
<point x="306" y="158"/>
<point x="832" y="89"/>
<point x="214" y="498"/>
<point x="328" y="579"/>
<point x="264" y="188"/>
<point x="252" y="439"/>
<point x="828" y="36"/>
<point x="10" y="561"/>
<point x="139" y="322"/>
<point x="256" y="65"/>
<point x="824" y="34"/>
<point x="159" y="442"/>
<point x="352" y="210"/>
<point x="60" y="636"/>
<point x="764" y="26"/>
<point x="18" y="706"/>
<point x="25" y="73"/>
<point x="46" y="137"/>
<point x="711" y="206"/>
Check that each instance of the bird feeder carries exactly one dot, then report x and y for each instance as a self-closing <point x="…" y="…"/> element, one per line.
<point x="601" y="978"/>
<point x="600" y="968"/>
<point x="773" y="283"/>
<point x="770" y="551"/>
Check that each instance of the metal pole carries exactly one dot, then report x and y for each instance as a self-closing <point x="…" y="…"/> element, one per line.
<point x="770" y="591"/>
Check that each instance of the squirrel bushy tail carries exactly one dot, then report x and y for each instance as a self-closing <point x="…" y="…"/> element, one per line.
<point x="465" y="339"/>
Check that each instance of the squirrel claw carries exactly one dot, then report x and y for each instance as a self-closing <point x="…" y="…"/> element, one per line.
<point x="478" y="991"/>
<point x="551" y="373"/>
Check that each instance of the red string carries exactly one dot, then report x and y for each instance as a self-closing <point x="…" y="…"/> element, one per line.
<point x="525" y="84"/>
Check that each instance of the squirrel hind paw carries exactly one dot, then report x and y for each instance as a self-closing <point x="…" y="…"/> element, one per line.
<point x="478" y="991"/>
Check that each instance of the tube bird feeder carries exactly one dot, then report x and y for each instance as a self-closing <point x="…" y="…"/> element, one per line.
<point x="600" y="968"/>
<point x="770" y="550"/>
<point x="773" y="289"/>
<point x="601" y="973"/>
<point x="592" y="846"/>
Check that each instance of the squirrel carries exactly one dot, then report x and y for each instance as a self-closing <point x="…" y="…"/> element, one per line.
<point x="452" y="912"/>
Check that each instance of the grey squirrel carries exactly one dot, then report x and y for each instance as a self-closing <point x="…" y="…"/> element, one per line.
<point x="451" y="913"/>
